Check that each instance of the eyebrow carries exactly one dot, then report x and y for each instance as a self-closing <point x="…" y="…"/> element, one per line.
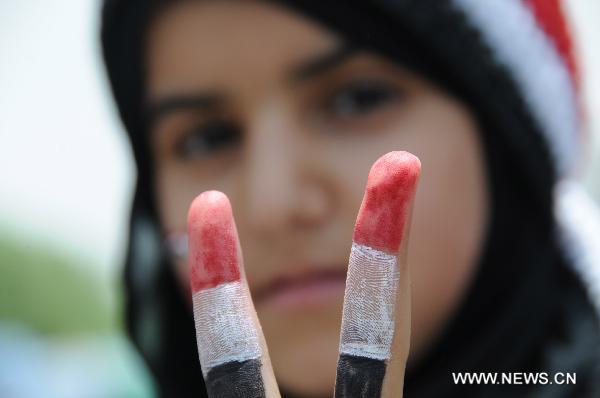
<point x="208" y="101"/>
<point x="163" y="106"/>
<point x="323" y="63"/>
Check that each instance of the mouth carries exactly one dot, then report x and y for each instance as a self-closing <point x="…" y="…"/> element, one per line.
<point x="302" y="290"/>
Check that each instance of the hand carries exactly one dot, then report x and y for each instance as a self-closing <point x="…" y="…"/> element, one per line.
<point x="375" y="334"/>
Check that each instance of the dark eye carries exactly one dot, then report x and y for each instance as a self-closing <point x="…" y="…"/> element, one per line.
<point x="207" y="138"/>
<point x="361" y="97"/>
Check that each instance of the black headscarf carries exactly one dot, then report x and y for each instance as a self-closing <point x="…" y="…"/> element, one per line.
<point x="524" y="311"/>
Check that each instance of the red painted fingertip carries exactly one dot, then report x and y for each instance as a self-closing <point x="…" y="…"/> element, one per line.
<point x="213" y="247"/>
<point x="384" y="210"/>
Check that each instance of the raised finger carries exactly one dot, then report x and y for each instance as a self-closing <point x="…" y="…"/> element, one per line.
<point x="231" y="346"/>
<point x="375" y="333"/>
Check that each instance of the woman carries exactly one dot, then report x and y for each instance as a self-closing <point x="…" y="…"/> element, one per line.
<point x="283" y="106"/>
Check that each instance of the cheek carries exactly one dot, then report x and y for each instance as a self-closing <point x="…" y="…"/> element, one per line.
<point x="182" y="271"/>
<point x="172" y="195"/>
<point x="450" y="214"/>
<point x="175" y="190"/>
<point x="177" y="184"/>
<point x="449" y="223"/>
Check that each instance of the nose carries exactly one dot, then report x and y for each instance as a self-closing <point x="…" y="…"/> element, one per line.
<point x="281" y="185"/>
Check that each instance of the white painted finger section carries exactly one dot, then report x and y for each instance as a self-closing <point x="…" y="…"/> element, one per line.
<point x="371" y="287"/>
<point x="225" y="331"/>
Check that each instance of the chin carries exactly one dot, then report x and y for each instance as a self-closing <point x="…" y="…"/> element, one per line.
<point x="304" y="355"/>
<point x="307" y="371"/>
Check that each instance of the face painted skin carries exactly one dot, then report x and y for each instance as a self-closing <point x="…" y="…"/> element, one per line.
<point x="292" y="152"/>
<point x="368" y="323"/>
<point x="228" y="342"/>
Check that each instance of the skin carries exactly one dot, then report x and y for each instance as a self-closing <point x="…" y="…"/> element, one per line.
<point x="296" y="167"/>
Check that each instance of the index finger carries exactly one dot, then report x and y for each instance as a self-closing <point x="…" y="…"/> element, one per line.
<point x="231" y="346"/>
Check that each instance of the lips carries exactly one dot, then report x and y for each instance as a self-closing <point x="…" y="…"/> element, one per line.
<point x="303" y="289"/>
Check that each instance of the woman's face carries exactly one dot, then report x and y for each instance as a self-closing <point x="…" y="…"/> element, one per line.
<point x="282" y="116"/>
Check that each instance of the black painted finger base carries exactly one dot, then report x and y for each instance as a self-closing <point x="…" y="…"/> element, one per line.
<point x="359" y="377"/>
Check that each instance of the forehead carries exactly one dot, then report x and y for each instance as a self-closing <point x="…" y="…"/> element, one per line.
<point x="220" y="42"/>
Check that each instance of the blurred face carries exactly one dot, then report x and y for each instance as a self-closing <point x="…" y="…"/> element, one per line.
<point x="286" y="119"/>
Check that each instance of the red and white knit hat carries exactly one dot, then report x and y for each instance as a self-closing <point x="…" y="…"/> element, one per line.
<point x="530" y="39"/>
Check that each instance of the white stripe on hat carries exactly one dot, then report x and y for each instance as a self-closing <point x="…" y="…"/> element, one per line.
<point x="510" y="29"/>
<point x="579" y="234"/>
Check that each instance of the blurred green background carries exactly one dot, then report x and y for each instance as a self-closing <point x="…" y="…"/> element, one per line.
<point x="59" y="336"/>
<point x="44" y="289"/>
